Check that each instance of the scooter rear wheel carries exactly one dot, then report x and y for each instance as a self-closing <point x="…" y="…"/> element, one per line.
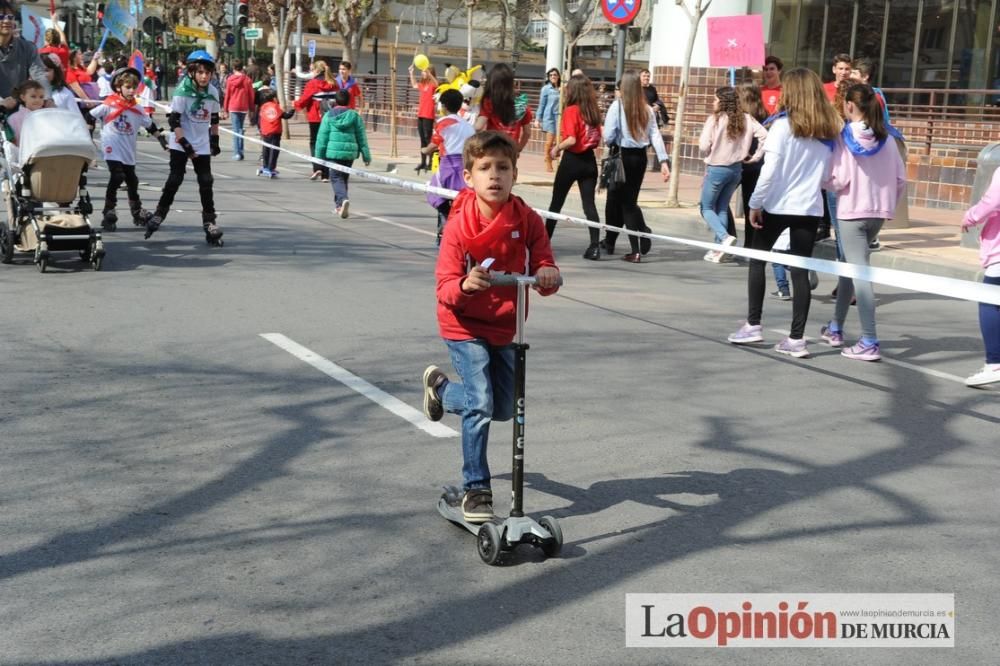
<point x="488" y="543"/>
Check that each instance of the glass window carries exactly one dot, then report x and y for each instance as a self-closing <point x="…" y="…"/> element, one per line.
<point x="839" y="26"/>
<point x="933" y="66"/>
<point x="972" y="36"/>
<point x="784" y="30"/>
<point x="897" y="66"/>
<point x="811" y="34"/>
<point x="871" y="20"/>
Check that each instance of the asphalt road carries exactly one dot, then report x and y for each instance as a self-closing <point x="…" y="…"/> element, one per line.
<point x="177" y="489"/>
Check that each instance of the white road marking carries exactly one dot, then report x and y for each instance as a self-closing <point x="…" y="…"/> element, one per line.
<point x="396" y="224"/>
<point x="359" y="385"/>
<point x="892" y="361"/>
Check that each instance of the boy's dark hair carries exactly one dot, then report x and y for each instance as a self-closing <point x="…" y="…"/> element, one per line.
<point x="347" y="64"/>
<point x="267" y="95"/>
<point x="342" y="98"/>
<point x="774" y="60"/>
<point x="127" y="78"/>
<point x="24" y="87"/>
<point x="452" y="100"/>
<point x="865" y="66"/>
<point x="7" y="7"/>
<point x="842" y="57"/>
<point x="237" y="65"/>
<point x="484" y="143"/>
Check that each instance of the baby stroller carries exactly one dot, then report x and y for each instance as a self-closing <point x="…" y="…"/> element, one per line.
<point x="43" y="182"/>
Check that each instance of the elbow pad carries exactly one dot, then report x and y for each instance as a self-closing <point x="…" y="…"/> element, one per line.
<point x="174" y="120"/>
<point x="215" y="119"/>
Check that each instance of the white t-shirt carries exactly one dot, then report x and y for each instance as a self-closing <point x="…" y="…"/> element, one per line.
<point x="64" y="99"/>
<point x="195" y="124"/>
<point x="794" y="168"/>
<point x="104" y="85"/>
<point x="118" y="136"/>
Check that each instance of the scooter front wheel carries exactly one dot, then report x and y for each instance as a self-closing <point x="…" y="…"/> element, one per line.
<point x="488" y="543"/>
<point x="552" y="548"/>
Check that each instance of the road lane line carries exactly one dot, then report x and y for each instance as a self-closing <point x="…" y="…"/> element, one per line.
<point x="396" y="224"/>
<point x="892" y="361"/>
<point x="359" y="385"/>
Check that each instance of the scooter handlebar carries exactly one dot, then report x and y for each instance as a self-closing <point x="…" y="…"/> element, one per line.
<point x="514" y="279"/>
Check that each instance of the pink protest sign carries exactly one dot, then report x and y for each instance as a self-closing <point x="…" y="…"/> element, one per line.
<point x="736" y="41"/>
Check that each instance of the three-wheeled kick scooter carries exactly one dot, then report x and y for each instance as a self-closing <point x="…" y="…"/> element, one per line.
<point x="498" y="536"/>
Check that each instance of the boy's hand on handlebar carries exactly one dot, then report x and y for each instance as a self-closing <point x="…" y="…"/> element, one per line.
<point x="478" y="279"/>
<point x="548" y="278"/>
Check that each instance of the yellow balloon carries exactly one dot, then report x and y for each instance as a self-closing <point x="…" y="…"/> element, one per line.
<point x="421" y="62"/>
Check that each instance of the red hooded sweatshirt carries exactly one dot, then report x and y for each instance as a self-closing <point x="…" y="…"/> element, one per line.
<point x="518" y="243"/>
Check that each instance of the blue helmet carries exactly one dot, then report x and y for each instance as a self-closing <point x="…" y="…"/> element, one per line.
<point x="201" y="57"/>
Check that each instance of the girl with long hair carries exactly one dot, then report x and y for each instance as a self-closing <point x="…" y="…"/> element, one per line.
<point x="581" y="134"/>
<point x="426" y="110"/>
<point x="547" y="114"/>
<point x="62" y="96"/>
<point x="631" y="125"/>
<point x="322" y="82"/>
<point x="725" y="145"/>
<point x="797" y="154"/>
<point x="868" y="178"/>
<point x="752" y="103"/>
<point x="502" y="110"/>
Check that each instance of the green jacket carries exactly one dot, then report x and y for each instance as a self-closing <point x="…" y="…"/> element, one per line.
<point x="342" y="136"/>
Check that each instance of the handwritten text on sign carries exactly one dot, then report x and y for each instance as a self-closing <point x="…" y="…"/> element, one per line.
<point x="736" y="41"/>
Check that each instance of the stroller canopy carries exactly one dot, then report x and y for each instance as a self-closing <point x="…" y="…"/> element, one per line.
<point x="55" y="132"/>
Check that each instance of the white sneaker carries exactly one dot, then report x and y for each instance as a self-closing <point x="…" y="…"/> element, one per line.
<point x="796" y="348"/>
<point x="988" y="374"/>
<point x="713" y="256"/>
<point x="729" y="240"/>
<point x="344" y="208"/>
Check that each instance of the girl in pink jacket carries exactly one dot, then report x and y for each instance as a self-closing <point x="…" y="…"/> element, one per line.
<point x="868" y="177"/>
<point x="987" y="214"/>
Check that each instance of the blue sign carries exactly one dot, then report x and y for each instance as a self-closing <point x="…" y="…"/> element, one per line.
<point x="312" y="48"/>
<point x="230" y="39"/>
<point x="620" y="12"/>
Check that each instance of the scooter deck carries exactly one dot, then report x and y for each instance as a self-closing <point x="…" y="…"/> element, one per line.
<point x="453" y="495"/>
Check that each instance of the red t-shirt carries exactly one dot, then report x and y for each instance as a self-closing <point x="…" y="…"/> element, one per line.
<point x="425" y="109"/>
<point x="831" y="90"/>
<point x="513" y="129"/>
<point x="771" y="97"/>
<point x="572" y="124"/>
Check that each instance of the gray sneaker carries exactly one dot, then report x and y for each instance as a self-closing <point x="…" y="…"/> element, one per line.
<point x="434" y="379"/>
<point x="477" y="505"/>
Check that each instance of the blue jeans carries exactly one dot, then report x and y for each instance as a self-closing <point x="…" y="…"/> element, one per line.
<point x="989" y="324"/>
<point x="781" y="277"/>
<point x="831" y="205"/>
<point x="485" y="394"/>
<point x="716" y="190"/>
<point x="338" y="181"/>
<point x="238" y="118"/>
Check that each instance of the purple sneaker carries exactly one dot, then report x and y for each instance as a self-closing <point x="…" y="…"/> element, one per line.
<point x="834" y="338"/>
<point x="796" y="348"/>
<point x="863" y="352"/>
<point x="746" y="335"/>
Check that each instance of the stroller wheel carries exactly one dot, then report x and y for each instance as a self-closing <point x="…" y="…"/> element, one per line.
<point x="6" y="243"/>
<point x="98" y="262"/>
<point x="43" y="263"/>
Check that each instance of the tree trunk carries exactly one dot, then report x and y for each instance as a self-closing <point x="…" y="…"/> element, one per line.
<point x="675" y="150"/>
<point x="352" y="47"/>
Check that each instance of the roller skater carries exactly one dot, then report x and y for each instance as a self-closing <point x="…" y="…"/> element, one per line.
<point x="123" y="115"/>
<point x="194" y="121"/>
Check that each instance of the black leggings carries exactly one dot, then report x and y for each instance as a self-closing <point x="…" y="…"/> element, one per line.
<point x="178" y="167"/>
<point x="802" y="232"/>
<point x="271" y="154"/>
<point x="120" y="172"/>
<point x="748" y="182"/>
<point x="313" y="133"/>
<point x="579" y="168"/>
<point x="425" y="128"/>
<point x="622" y="206"/>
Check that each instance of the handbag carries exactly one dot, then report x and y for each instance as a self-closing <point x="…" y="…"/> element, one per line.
<point x="612" y="169"/>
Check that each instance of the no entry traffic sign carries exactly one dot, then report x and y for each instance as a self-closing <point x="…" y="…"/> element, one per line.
<point x="620" y="12"/>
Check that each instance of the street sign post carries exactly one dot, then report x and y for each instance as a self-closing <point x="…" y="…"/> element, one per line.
<point x="620" y="13"/>
<point x="187" y="31"/>
<point x="252" y="34"/>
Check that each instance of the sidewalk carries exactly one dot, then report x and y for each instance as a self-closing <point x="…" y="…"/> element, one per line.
<point x="931" y="244"/>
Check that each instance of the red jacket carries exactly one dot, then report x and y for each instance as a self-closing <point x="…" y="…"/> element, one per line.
<point x="522" y="245"/>
<point x="314" y="113"/>
<point x="269" y="118"/>
<point x="239" y="93"/>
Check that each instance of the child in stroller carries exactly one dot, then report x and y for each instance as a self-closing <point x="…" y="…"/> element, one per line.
<point x="46" y="201"/>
